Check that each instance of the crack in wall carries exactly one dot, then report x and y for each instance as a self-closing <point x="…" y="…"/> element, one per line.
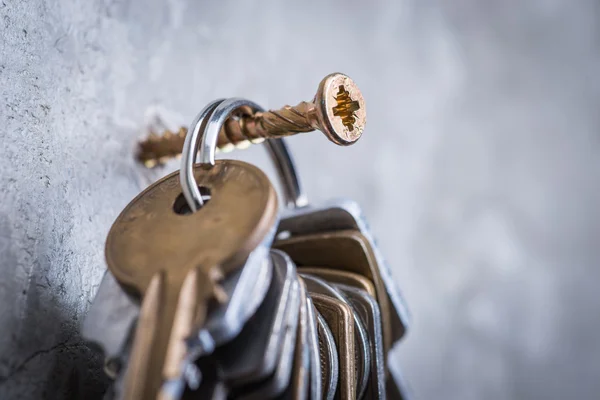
<point x="23" y="365"/>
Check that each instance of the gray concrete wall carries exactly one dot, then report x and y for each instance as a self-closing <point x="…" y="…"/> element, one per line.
<point x="479" y="168"/>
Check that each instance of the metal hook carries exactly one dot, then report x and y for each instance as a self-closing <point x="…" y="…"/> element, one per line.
<point x="203" y="135"/>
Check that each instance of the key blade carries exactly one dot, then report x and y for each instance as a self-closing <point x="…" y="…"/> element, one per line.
<point x="168" y="315"/>
<point x="187" y="316"/>
<point x="190" y="314"/>
<point x="136" y="381"/>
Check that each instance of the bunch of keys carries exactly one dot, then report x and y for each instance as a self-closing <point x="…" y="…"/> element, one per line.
<point x="210" y="293"/>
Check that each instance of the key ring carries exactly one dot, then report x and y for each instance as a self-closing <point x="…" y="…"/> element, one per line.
<point x="202" y="136"/>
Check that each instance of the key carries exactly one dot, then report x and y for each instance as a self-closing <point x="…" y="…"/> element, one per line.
<point x="246" y="290"/>
<point x="346" y="250"/>
<point x="361" y="347"/>
<point x="175" y="262"/>
<point x="109" y="322"/>
<point x="367" y="309"/>
<point x="328" y="357"/>
<point x="257" y="287"/>
<point x="298" y="388"/>
<point x="316" y="390"/>
<point x="254" y="354"/>
<point x="346" y="215"/>
<point x="360" y="293"/>
<point x="339" y="319"/>
<point x="275" y="385"/>
<point x="112" y="310"/>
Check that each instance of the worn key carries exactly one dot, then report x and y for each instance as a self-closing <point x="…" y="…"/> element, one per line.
<point x="338" y="316"/>
<point x="347" y="215"/>
<point x="276" y="384"/>
<point x="113" y="313"/>
<point x="328" y="356"/>
<point x="346" y="250"/>
<point x="360" y="292"/>
<point x="175" y="262"/>
<point x="246" y="289"/>
<point x="254" y="354"/>
<point x="361" y="347"/>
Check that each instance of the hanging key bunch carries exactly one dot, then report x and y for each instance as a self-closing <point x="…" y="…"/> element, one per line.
<point x="211" y="294"/>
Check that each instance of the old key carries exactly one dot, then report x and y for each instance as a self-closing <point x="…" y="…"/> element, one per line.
<point x="175" y="261"/>
<point x="361" y="346"/>
<point x="346" y="250"/>
<point x="338" y="316"/>
<point x="347" y="215"/>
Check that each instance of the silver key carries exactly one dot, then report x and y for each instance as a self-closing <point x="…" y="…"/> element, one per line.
<point x="362" y="348"/>
<point x="246" y="289"/>
<point x="254" y="354"/>
<point x="279" y="381"/>
<point x="342" y="215"/>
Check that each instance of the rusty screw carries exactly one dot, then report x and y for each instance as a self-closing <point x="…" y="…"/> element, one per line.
<point x="338" y="110"/>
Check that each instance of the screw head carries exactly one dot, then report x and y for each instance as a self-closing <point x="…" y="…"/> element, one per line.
<point x="341" y="109"/>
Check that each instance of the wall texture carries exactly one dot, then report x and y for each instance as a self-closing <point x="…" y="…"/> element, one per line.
<point x="479" y="168"/>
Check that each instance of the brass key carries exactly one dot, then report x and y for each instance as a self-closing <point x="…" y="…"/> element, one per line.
<point x="339" y="319"/>
<point x="175" y="261"/>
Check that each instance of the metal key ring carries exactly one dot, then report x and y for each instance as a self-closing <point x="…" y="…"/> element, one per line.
<point x="203" y="135"/>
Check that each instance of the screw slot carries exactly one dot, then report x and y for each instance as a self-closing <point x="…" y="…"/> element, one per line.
<point x="181" y="207"/>
<point x="345" y="108"/>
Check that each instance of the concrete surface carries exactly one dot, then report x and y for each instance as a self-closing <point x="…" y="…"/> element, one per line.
<point x="479" y="168"/>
